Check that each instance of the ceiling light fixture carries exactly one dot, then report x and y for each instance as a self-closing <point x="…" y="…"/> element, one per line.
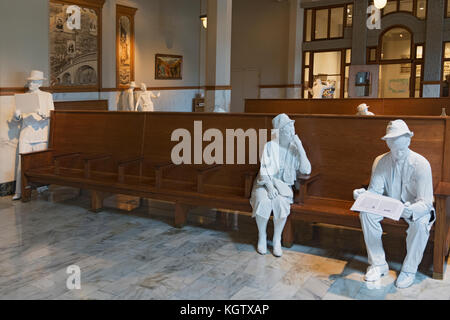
<point x="380" y="4"/>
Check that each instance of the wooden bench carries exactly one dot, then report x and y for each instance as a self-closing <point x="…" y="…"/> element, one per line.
<point x="130" y="153"/>
<point x="85" y="105"/>
<point x="387" y="106"/>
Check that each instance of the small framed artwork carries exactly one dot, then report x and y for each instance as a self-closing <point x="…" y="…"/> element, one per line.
<point x="168" y="67"/>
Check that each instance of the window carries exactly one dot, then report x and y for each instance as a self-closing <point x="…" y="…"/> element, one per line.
<point x="447" y="9"/>
<point x="329" y="66"/>
<point x="396" y="44"/>
<point x="446" y="70"/>
<point x="327" y="22"/>
<point x="418" y="8"/>
<point x="372" y="55"/>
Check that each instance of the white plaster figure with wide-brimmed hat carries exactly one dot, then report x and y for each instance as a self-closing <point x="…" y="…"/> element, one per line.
<point x="34" y="120"/>
<point x="272" y="192"/>
<point x="404" y="175"/>
<point x="363" y="110"/>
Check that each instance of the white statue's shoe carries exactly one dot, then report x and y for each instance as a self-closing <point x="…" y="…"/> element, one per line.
<point x="375" y="273"/>
<point x="17" y="196"/>
<point x="262" y="245"/>
<point x="405" y="280"/>
<point x="277" y="252"/>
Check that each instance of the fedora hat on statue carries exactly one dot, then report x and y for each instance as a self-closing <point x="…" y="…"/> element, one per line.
<point x="396" y="129"/>
<point x="133" y="84"/>
<point x="36" y="75"/>
<point x="281" y="120"/>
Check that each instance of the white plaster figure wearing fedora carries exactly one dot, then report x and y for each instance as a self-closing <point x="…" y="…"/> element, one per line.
<point x="272" y="190"/>
<point x="318" y="89"/>
<point x="404" y="175"/>
<point x="144" y="99"/>
<point x="128" y="99"/>
<point x="363" y="110"/>
<point x="34" y="130"/>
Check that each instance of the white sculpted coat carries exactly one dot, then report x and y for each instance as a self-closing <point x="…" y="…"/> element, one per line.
<point x="279" y="167"/>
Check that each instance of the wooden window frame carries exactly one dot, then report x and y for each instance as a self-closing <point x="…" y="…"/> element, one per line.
<point x="313" y="21"/>
<point x="413" y="13"/>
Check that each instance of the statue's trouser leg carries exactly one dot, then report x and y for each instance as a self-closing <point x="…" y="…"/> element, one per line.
<point x="372" y="236"/>
<point x="278" y="230"/>
<point x="25" y="148"/>
<point x="261" y="222"/>
<point x="416" y="242"/>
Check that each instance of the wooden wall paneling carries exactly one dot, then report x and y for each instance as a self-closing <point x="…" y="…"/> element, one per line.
<point x="87" y="105"/>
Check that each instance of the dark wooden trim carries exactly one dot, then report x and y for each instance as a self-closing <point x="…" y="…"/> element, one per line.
<point x="128" y="12"/>
<point x="213" y="88"/>
<point x="268" y="86"/>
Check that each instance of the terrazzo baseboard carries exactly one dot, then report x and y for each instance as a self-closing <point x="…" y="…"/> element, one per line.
<point x="7" y="188"/>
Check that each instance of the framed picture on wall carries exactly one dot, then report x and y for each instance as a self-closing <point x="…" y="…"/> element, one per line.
<point x="75" y="36"/>
<point x="124" y="45"/>
<point x="168" y="67"/>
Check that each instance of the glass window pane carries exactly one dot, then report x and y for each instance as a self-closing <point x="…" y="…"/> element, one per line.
<point x="391" y="6"/>
<point x="446" y="69"/>
<point x="394" y="80"/>
<point x="348" y="56"/>
<point x="308" y="25"/>
<point x="396" y="44"/>
<point x="447" y="50"/>
<point x="406" y="5"/>
<point x="306" y="76"/>
<point x="327" y="67"/>
<point x="421" y="9"/>
<point x="306" y="94"/>
<point x="373" y="55"/>
<point x="419" y="52"/>
<point x="307" y="58"/>
<point x="337" y="20"/>
<point x="350" y="15"/>
<point x="448" y="9"/>
<point x="417" y="84"/>
<point x="321" y="24"/>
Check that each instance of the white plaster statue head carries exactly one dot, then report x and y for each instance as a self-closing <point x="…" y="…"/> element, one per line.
<point x="35" y="80"/>
<point x="362" y="108"/>
<point x="143" y="87"/>
<point x="318" y="82"/>
<point x="133" y="85"/>
<point x="285" y="126"/>
<point x="398" y="138"/>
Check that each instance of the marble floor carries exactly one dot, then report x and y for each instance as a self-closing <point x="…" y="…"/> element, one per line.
<point x="139" y="255"/>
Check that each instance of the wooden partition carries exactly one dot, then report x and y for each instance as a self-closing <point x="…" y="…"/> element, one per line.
<point x="87" y="105"/>
<point x="406" y="106"/>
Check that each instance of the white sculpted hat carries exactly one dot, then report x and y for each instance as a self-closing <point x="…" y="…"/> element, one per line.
<point x="396" y="129"/>
<point x="362" y="107"/>
<point x="36" y="75"/>
<point x="133" y="84"/>
<point x="281" y="120"/>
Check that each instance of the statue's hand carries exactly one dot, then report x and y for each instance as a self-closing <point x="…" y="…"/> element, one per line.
<point x="407" y="212"/>
<point x="358" y="192"/>
<point x="17" y="114"/>
<point x="272" y="192"/>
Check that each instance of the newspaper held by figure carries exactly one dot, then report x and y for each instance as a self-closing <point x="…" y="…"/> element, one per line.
<point x="27" y="102"/>
<point x="377" y="204"/>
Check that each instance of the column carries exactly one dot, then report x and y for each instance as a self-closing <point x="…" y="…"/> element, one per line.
<point x="359" y="36"/>
<point x="218" y="56"/>
<point x="433" y="55"/>
<point x="295" y="55"/>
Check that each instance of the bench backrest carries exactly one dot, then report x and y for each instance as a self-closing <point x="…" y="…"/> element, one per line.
<point x="402" y="106"/>
<point x="342" y="148"/>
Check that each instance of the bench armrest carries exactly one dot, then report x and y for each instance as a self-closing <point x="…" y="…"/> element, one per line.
<point x="122" y="164"/>
<point x="59" y="157"/>
<point x="159" y="170"/>
<point x="249" y="177"/>
<point x="301" y="186"/>
<point x="201" y="173"/>
<point x="88" y="160"/>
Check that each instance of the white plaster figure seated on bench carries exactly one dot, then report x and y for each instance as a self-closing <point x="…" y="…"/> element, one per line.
<point x="144" y="99"/>
<point x="404" y="175"/>
<point x="272" y="190"/>
<point x="34" y="130"/>
<point x="363" y="110"/>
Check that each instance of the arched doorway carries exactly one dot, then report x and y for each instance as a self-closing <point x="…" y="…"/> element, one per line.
<point x="401" y="64"/>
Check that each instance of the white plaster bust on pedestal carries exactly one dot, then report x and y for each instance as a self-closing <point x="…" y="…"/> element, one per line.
<point x="363" y="110"/>
<point x="144" y="100"/>
<point x="34" y="130"/>
<point x="404" y="175"/>
<point x="272" y="191"/>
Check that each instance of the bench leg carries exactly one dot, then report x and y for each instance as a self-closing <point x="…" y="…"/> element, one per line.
<point x="288" y="233"/>
<point x="181" y="211"/>
<point x="96" y="201"/>
<point x="440" y="237"/>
